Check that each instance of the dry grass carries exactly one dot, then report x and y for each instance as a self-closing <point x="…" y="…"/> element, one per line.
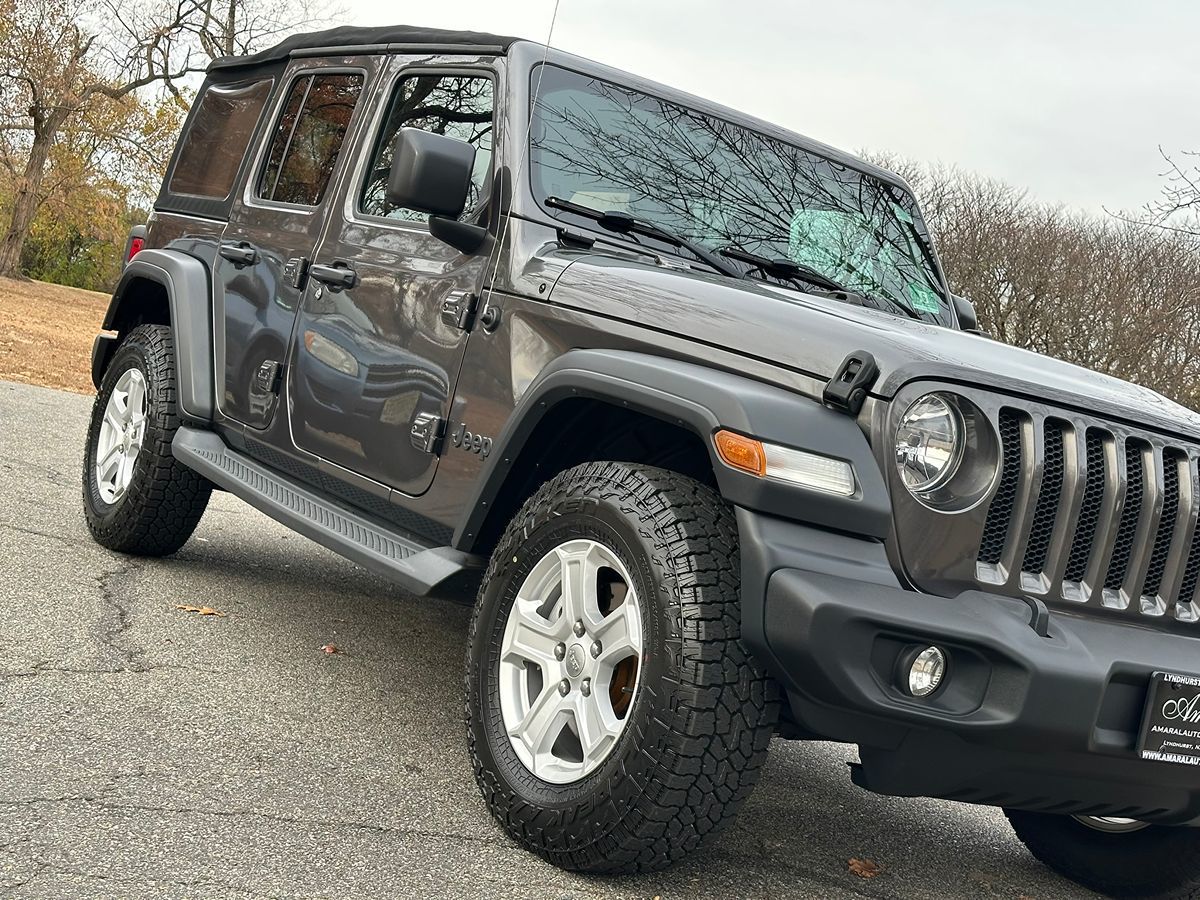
<point x="46" y="333"/>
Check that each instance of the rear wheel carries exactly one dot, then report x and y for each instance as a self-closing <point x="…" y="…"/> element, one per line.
<point x="1118" y="857"/>
<point x="136" y="497"/>
<point x="616" y="720"/>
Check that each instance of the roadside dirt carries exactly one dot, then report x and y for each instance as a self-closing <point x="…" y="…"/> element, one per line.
<point x="46" y="333"/>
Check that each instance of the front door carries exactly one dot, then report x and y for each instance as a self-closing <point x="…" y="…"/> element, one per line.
<point x="374" y="352"/>
<point x="272" y="231"/>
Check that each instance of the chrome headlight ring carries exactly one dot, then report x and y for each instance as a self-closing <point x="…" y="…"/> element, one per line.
<point x="929" y="443"/>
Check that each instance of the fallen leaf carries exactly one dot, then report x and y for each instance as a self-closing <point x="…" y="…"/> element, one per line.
<point x="865" y="868"/>
<point x="330" y="648"/>
<point x="200" y="610"/>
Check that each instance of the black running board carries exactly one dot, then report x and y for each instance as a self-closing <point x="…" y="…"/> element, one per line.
<point x="418" y="568"/>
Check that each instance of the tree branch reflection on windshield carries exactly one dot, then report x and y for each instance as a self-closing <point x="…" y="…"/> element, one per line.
<point x="721" y="185"/>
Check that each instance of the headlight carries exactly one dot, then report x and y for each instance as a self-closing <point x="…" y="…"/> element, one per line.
<point x="929" y="443"/>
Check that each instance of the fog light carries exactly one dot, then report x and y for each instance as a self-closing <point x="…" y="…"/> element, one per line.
<point x="926" y="672"/>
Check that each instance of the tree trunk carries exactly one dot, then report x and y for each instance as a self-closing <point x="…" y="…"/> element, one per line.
<point x="231" y="28"/>
<point x="25" y="204"/>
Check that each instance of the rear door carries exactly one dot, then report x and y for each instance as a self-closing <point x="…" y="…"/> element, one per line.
<point x="381" y="353"/>
<point x="274" y="226"/>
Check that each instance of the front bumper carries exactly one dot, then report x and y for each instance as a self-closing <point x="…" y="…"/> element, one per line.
<point x="1041" y="723"/>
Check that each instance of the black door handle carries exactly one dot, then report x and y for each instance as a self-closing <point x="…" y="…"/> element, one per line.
<point x="339" y="276"/>
<point x="241" y="254"/>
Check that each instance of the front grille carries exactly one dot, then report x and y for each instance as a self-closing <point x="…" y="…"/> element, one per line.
<point x="1093" y="516"/>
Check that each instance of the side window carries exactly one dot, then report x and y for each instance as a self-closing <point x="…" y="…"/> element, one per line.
<point x="456" y="105"/>
<point x="305" y="145"/>
<point x="212" y="151"/>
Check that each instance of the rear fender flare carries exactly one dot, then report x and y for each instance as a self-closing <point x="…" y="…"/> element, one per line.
<point x="186" y="282"/>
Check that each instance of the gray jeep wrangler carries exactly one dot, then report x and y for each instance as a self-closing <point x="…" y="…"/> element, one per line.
<point x="684" y="397"/>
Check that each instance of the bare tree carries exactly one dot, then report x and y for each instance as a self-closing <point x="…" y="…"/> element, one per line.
<point x="59" y="58"/>
<point x="1178" y="209"/>
<point x="1115" y="295"/>
<point x="236" y="27"/>
<point x="54" y="68"/>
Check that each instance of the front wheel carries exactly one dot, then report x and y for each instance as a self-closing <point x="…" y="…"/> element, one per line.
<point x="615" y="718"/>
<point x="1117" y="857"/>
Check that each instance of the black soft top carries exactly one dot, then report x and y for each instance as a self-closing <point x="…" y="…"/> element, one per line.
<point x="355" y="36"/>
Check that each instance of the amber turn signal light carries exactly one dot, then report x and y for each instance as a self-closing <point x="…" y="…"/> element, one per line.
<point x="741" y="452"/>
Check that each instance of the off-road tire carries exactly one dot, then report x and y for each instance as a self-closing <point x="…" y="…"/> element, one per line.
<point x="702" y="718"/>
<point x="1159" y="862"/>
<point x="165" y="499"/>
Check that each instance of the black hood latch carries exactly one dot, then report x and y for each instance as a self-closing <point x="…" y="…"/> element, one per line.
<point x="847" y="389"/>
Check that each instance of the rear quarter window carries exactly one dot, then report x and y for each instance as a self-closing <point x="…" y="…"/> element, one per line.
<point x="215" y="143"/>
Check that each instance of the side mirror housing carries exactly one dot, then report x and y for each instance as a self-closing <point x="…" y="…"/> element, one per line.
<point x="431" y="173"/>
<point x="968" y="320"/>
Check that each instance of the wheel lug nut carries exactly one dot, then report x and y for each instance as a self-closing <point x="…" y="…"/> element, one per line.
<point x="596" y="649"/>
<point x="560" y="651"/>
<point x="579" y="629"/>
<point x="564" y="687"/>
<point x="586" y="687"/>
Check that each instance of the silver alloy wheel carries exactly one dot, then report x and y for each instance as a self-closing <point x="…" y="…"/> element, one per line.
<point x="1112" y="824"/>
<point x="121" y="434"/>
<point x="570" y="661"/>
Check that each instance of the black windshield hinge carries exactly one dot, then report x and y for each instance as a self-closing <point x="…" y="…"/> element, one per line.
<point x="847" y="389"/>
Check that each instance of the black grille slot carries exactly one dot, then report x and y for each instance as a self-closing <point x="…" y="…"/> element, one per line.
<point x="1089" y="513"/>
<point x="1166" y="526"/>
<point x="1135" y="489"/>
<point x="995" y="530"/>
<point x="1046" y="513"/>
<point x="1191" y="573"/>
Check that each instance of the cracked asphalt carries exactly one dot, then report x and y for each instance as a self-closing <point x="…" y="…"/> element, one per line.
<point x="147" y="751"/>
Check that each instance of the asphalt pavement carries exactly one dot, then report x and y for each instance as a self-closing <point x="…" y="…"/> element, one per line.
<point x="151" y="751"/>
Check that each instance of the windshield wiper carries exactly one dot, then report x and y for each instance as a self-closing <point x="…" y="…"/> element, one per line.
<point x="623" y="223"/>
<point x="786" y="270"/>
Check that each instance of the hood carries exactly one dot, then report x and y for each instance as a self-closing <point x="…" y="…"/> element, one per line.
<point x="813" y="335"/>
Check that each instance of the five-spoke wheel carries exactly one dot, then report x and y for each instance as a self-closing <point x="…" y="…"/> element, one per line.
<point x="569" y="661"/>
<point x="121" y="433"/>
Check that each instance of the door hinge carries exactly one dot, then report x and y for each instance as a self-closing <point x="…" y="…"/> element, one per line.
<point x="268" y="377"/>
<point x="295" y="270"/>
<point x="427" y="431"/>
<point x="458" y="309"/>
<point x="847" y="389"/>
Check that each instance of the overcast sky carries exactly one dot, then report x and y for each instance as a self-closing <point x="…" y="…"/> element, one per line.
<point x="1069" y="98"/>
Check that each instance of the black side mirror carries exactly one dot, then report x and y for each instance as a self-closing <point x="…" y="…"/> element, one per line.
<point x="431" y="173"/>
<point x="968" y="320"/>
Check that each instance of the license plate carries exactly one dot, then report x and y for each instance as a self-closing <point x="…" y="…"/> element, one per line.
<point x="1171" y="725"/>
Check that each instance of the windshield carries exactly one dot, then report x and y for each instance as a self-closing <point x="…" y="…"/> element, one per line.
<point x="608" y="147"/>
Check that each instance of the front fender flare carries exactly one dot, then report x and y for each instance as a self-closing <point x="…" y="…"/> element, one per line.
<point x="703" y="400"/>
<point x="185" y="280"/>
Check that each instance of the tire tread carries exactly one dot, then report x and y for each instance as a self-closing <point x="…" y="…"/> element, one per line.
<point x="165" y="499"/>
<point x="719" y="728"/>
